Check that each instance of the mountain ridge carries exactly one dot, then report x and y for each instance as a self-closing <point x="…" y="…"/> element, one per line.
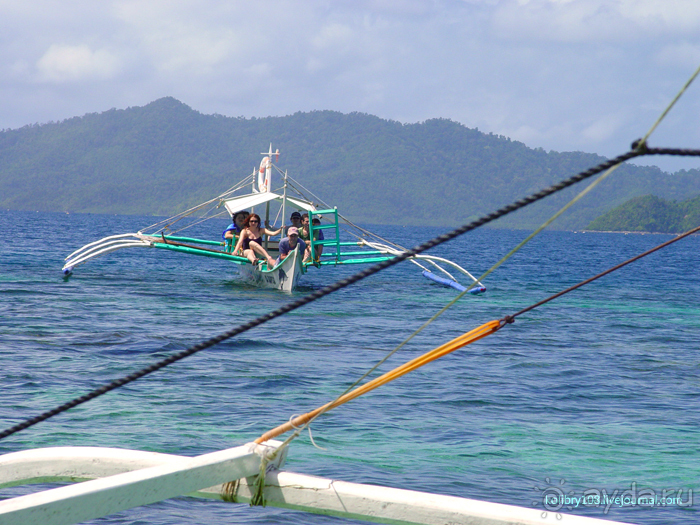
<point x="164" y="157"/>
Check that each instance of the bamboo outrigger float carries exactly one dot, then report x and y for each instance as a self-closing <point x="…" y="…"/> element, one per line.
<point x="114" y="480"/>
<point x="254" y="192"/>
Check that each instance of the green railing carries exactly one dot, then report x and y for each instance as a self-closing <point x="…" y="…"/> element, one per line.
<point x="335" y="253"/>
<point x="335" y="243"/>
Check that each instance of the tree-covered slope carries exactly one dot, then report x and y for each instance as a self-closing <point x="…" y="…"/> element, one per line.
<point x="650" y="214"/>
<point x="164" y="157"/>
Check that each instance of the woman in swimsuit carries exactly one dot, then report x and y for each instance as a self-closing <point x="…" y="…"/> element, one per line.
<point x="250" y="242"/>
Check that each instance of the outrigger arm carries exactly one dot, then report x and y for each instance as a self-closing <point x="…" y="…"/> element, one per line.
<point x="433" y="261"/>
<point x="140" y="240"/>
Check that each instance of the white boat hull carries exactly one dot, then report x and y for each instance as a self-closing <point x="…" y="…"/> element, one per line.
<point x="284" y="276"/>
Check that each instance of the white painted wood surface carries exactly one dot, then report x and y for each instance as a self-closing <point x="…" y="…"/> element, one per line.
<point x="285" y="277"/>
<point x="283" y="489"/>
<point x="101" y="497"/>
<point x="73" y="464"/>
<point x="396" y="506"/>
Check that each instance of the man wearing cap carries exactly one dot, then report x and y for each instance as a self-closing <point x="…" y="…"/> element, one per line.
<point x="296" y="221"/>
<point x="291" y="242"/>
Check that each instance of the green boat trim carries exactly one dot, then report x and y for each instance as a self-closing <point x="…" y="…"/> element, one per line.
<point x="198" y="251"/>
<point x="188" y="239"/>
<point x="365" y="260"/>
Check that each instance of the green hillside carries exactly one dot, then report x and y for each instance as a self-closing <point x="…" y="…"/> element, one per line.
<point x="650" y="214"/>
<point x="164" y="157"/>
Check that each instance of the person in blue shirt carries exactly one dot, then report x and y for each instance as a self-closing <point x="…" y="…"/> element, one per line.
<point x="290" y="243"/>
<point x="235" y="228"/>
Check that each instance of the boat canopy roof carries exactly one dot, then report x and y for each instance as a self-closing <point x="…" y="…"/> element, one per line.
<point x="248" y="201"/>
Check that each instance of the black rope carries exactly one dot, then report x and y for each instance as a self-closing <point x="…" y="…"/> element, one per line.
<point x="639" y="151"/>
<point x="508" y="319"/>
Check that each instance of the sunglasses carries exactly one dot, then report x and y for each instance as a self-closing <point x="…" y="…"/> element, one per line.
<point x="254" y="222"/>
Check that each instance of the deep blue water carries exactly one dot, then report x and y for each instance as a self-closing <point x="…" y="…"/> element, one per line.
<point x="598" y="390"/>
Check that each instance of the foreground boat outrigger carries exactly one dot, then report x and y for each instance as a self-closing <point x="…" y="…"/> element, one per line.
<point x="366" y="248"/>
<point x="117" y="479"/>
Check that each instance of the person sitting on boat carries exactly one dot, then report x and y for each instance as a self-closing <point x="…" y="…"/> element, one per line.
<point x="305" y="235"/>
<point x="296" y="221"/>
<point x="318" y="236"/>
<point x="290" y="243"/>
<point x="233" y="231"/>
<point x="250" y="243"/>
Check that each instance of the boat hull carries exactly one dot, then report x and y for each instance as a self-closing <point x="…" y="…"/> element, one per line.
<point x="285" y="276"/>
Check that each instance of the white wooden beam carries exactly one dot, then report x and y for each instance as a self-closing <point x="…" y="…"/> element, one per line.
<point x="283" y="489"/>
<point x="101" y="497"/>
<point x="72" y="464"/>
<point x="395" y="506"/>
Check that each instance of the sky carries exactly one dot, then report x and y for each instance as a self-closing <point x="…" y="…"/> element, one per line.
<point x="563" y="75"/>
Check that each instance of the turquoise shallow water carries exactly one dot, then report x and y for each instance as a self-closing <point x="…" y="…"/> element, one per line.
<point x="597" y="391"/>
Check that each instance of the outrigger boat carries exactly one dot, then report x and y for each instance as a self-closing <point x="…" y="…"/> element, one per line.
<point x="254" y="192"/>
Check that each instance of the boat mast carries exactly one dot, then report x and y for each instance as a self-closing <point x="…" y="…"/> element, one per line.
<point x="267" y="220"/>
<point x="284" y="204"/>
<point x="267" y="161"/>
<point x="284" y="191"/>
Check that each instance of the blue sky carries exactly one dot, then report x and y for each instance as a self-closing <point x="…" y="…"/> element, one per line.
<point x="587" y="75"/>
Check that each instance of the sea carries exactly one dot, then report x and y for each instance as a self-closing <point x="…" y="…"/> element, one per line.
<point x="594" y="394"/>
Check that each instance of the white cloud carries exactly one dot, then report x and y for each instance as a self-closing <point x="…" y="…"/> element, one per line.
<point x="604" y="20"/>
<point x="671" y="16"/>
<point x="177" y="37"/>
<point x="601" y="129"/>
<point x="64" y="63"/>
<point x="586" y="75"/>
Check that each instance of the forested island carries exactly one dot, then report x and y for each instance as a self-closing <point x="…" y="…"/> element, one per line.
<point x="649" y="213"/>
<point x="164" y="157"/>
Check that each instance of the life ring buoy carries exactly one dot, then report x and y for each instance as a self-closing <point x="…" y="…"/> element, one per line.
<point x="264" y="175"/>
